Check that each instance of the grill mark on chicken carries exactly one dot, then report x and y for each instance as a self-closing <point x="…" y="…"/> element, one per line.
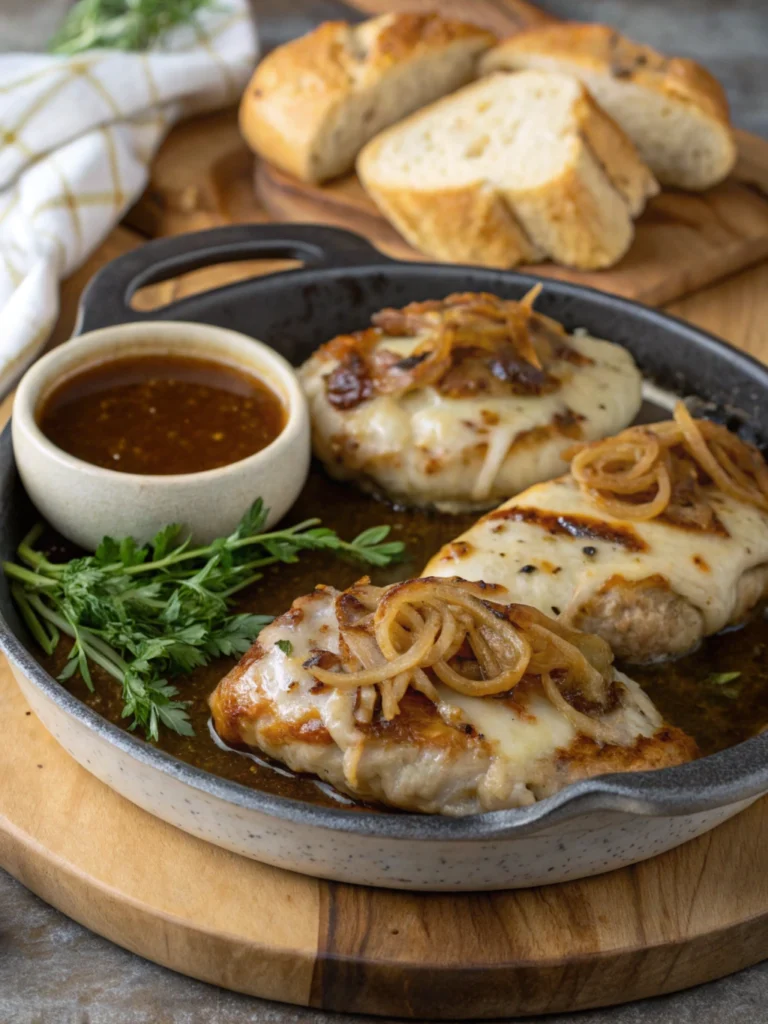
<point x="575" y="526"/>
<point x="459" y="549"/>
<point x="654" y="582"/>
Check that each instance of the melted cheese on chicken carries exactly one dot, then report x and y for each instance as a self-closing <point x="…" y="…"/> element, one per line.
<point x="425" y="448"/>
<point x="553" y="548"/>
<point x="466" y="755"/>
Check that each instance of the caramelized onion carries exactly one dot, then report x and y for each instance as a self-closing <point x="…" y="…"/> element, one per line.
<point x="645" y="472"/>
<point x="596" y="730"/>
<point x="735" y="467"/>
<point x="466" y="343"/>
<point x="446" y="629"/>
<point x="518" y="318"/>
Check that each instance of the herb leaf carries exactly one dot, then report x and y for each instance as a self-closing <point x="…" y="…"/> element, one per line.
<point x="720" y="678"/>
<point x="107" y="552"/>
<point x="144" y="614"/>
<point x="285" y="646"/>
<point x="163" y="541"/>
<point x="130" y="554"/>
<point x="371" y="537"/>
<point x="121" y="24"/>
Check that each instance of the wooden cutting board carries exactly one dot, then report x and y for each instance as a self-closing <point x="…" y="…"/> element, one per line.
<point x="686" y="917"/>
<point x="683" y="241"/>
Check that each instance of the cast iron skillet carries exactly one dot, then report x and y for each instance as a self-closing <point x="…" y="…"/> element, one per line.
<point x="342" y="282"/>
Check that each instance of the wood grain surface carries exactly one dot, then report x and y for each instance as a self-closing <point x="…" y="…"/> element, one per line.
<point x="688" y="916"/>
<point x="694" y="914"/>
<point x="683" y="241"/>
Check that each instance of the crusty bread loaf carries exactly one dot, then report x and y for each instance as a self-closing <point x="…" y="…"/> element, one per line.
<point x="314" y="102"/>
<point x="674" y="111"/>
<point x="510" y="169"/>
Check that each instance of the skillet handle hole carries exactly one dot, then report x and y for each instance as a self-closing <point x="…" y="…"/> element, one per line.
<point x="152" y="297"/>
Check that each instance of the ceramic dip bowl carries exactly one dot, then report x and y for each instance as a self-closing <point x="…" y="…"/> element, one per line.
<point x="85" y="502"/>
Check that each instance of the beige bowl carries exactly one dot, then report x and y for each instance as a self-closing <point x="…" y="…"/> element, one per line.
<point x="85" y="502"/>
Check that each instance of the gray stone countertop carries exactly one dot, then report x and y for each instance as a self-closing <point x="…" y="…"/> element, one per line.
<point x="52" y="971"/>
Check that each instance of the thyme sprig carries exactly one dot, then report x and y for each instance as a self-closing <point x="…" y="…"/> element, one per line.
<point x="143" y="613"/>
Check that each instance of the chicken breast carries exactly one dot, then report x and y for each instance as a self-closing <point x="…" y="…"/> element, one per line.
<point x="652" y="588"/>
<point x="438" y="741"/>
<point x="458" y="403"/>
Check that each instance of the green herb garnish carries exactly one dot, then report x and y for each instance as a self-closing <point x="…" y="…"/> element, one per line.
<point x="721" y="678"/>
<point x="143" y="613"/>
<point x="121" y="24"/>
<point x="721" y="681"/>
<point x="285" y="646"/>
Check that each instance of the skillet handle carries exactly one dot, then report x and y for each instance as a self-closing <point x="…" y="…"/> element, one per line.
<point x="107" y="299"/>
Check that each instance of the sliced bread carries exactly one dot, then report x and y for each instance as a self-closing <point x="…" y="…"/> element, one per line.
<point x="510" y="169"/>
<point x="674" y="111"/>
<point x="314" y="102"/>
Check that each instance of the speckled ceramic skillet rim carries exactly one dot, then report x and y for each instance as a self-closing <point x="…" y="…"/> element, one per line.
<point x="728" y="777"/>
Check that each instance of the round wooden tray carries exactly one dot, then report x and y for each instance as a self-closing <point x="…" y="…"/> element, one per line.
<point x="686" y="917"/>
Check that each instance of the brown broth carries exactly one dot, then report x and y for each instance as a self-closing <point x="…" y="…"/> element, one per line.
<point x="162" y="414"/>
<point x="717" y="716"/>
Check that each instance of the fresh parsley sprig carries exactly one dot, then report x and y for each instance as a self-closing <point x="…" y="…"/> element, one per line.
<point x="145" y="613"/>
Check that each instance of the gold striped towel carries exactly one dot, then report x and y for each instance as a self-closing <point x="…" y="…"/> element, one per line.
<point x="77" y="135"/>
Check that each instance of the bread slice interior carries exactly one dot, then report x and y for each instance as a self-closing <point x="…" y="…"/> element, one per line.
<point x="569" y="177"/>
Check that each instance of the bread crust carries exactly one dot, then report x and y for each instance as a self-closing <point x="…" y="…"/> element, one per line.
<point x="470" y="224"/>
<point x="604" y="50"/>
<point x="300" y="85"/>
<point x="580" y="220"/>
<point x="617" y="155"/>
<point x="291" y="91"/>
<point x="599" y="50"/>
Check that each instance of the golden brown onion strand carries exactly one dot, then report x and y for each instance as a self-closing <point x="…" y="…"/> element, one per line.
<point x="448" y="628"/>
<point x="643" y="472"/>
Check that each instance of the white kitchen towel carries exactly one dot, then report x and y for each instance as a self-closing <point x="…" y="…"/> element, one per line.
<point x="77" y="135"/>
